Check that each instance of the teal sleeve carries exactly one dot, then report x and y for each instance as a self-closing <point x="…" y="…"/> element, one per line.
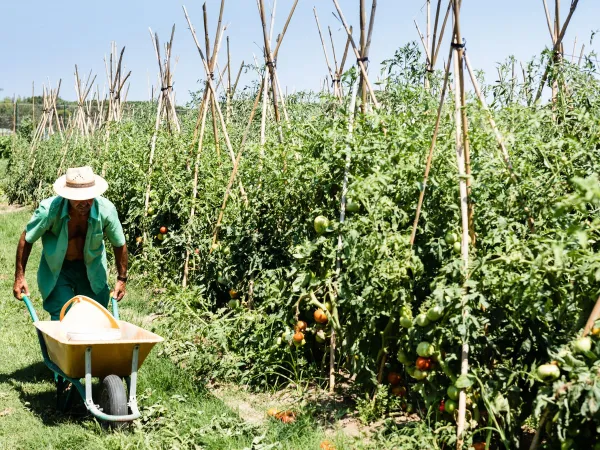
<point x="37" y="225"/>
<point x="113" y="228"/>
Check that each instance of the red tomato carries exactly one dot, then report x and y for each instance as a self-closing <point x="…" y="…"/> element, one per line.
<point x="394" y="378"/>
<point x="423" y="363"/>
<point x="163" y="230"/>
<point x="442" y="407"/>
<point x="399" y="391"/>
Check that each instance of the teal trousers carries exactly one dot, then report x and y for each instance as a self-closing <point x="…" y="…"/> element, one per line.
<point x="72" y="281"/>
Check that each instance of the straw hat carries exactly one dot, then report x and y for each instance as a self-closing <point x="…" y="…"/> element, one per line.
<point x="80" y="183"/>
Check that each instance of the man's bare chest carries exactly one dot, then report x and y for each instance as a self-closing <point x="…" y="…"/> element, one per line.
<point x="77" y="228"/>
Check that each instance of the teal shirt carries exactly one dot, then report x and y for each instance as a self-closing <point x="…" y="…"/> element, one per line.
<point x="50" y="222"/>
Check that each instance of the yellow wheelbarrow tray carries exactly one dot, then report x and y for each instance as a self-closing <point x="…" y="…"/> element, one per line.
<point x="72" y="360"/>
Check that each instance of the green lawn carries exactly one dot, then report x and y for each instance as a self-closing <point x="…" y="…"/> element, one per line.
<point x="178" y="411"/>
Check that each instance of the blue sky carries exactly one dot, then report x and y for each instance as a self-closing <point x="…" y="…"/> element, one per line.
<point x="40" y="39"/>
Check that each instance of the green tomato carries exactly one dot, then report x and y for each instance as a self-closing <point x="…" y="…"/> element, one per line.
<point x="425" y="349"/>
<point x="403" y="357"/>
<point x="453" y="392"/>
<point x="234" y="304"/>
<point x="221" y="278"/>
<point x="450" y="238"/>
<point x="321" y="223"/>
<point x="422" y="320"/>
<point x="151" y="211"/>
<point x="406" y="322"/>
<point x="582" y="345"/>
<point x="352" y="206"/>
<point x="548" y="372"/>
<point x="419" y="374"/>
<point x="435" y="313"/>
<point x="456" y="247"/>
<point x="450" y="406"/>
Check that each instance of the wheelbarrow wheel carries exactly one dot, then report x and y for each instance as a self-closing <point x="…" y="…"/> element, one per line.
<point x="113" y="400"/>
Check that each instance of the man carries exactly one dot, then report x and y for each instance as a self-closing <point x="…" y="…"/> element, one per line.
<point x="72" y="226"/>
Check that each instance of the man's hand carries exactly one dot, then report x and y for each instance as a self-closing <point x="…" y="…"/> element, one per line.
<point x="119" y="291"/>
<point x="20" y="288"/>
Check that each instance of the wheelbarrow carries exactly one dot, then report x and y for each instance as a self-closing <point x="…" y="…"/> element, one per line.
<point x="110" y="360"/>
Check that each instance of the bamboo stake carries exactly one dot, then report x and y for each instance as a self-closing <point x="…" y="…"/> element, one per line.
<point x="211" y="100"/>
<point x="234" y="172"/>
<point x="228" y="83"/>
<point x="336" y="80"/>
<point x="357" y="54"/>
<point x="462" y="155"/>
<point x="428" y="22"/>
<point x="556" y="47"/>
<point x="431" y="148"/>
<point x="237" y="79"/>
<point x="499" y="138"/>
<point x="323" y="43"/>
<point x="581" y="55"/>
<point x="270" y="61"/>
<point x="439" y="43"/>
<point x="549" y="22"/>
<point x="285" y="27"/>
<point x="340" y="244"/>
<point x="195" y="188"/>
<point x="427" y="55"/>
<point x="435" y="28"/>
<point x="363" y="85"/>
<point x="428" y="40"/>
<point x="212" y="92"/>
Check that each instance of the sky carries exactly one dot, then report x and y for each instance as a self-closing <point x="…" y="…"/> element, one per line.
<point x="41" y="40"/>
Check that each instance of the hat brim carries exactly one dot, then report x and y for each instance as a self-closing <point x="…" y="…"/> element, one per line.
<point x="87" y="193"/>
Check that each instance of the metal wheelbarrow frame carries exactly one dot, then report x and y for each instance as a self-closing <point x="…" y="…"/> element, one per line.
<point x="85" y="390"/>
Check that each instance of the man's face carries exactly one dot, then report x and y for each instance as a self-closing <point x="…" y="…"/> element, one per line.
<point x="82" y="206"/>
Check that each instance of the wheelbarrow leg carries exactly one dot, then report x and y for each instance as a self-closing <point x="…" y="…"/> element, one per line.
<point x="132" y="381"/>
<point x="89" y="402"/>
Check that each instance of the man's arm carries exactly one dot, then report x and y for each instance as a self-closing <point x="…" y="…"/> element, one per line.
<point x="121" y="263"/>
<point x="23" y="251"/>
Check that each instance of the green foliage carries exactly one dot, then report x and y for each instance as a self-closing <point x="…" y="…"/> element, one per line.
<point x="527" y="289"/>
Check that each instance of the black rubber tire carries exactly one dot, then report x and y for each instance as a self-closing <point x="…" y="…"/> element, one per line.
<point x="113" y="399"/>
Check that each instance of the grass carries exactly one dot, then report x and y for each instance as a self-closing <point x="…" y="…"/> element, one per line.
<point x="178" y="410"/>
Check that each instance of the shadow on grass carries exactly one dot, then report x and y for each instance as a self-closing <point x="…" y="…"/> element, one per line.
<point x="31" y="383"/>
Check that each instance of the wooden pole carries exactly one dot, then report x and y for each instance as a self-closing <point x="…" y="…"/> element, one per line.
<point x="428" y="41"/>
<point x="549" y="22"/>
<point x="462" y="157"/>
<point x="270" y="61"/>
<point x="556" y="48"/>
<point x="431" y="148"/>
<point x="234" y="172"/>
<point x="362" y="42"/>
<point x="323" y="44"/>
<point x="228" y="82"/>
<point x="340" y="244"/>
<point x="195" y="187"/>
<point x="211" y="99"/>
<point x="213" y="93"/>
<point x="357" y="54"/>
<point x="439" y="43"/>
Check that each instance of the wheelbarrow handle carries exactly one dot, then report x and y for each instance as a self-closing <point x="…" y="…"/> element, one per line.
<point x="115" y="307"/>
<point x="34" y="317"/>
<point x="30" y="307"/>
